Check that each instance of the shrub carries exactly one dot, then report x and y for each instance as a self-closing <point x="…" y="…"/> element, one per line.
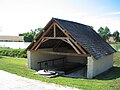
<point x="21" y="53"/>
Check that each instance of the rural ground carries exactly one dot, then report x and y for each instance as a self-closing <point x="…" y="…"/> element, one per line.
<point x="109" y="80"/>
<point x="10" y="81"/>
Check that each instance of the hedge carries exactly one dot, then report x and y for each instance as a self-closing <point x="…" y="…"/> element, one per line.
<point x="20" y="53"/>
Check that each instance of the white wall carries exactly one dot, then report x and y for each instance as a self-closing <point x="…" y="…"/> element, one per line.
<point x="29" y="59"/>
<point x="102" y="64"/>
<point x="90" y="67"/>
<point x="96" y="67"/>
<point x="77" y="59"/>
<point x="35" y="56"/>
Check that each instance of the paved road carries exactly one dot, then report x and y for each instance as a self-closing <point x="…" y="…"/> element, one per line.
<point x="10" y="81"/>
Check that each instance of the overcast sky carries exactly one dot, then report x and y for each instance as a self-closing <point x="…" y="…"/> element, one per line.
<point x="19" y="16"/>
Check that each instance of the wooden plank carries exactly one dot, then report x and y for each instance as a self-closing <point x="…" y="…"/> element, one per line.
<point x="55" y="37"/>
<point x="65" y="40"/>
<point x="70" y="38"/>
<point x="73" y="46"/>
<point x="67" y="54"/>
<point x="44" y="40"/>
<point x="36" y="44"/>
<point x="48" y="38"/>
<point x="54" y="30"/>
<point x="77" y="44"/>
<point x="39" y="44"/>
<point x="59" y="27"/>
<point x="81" y="49"/>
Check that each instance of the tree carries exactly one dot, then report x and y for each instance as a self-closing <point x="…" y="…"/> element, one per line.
<point x="36" y="32"/>
<point x="39" y="30"/>
<point x="116" y="36"/>
<point x="107" y="31"/>
<point x="104" y="32"/>
<point x="29" y="36"/>
<point x="21" y="34"/>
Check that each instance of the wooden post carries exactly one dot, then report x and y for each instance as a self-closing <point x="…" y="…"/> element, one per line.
<point x="54" y="30"/>
<point x="71" y="39"/>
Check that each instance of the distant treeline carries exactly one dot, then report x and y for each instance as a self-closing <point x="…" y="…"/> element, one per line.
<point x="105" y="33"/>
<point x="29" y="36"/>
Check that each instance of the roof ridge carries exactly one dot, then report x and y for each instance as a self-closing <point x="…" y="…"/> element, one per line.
<point x="69" y="21"/>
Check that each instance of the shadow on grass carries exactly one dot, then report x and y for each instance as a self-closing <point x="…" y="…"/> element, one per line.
<point x="112" y="73"/>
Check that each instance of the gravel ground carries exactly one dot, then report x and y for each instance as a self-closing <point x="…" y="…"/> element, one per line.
<point x="10" y="81"/>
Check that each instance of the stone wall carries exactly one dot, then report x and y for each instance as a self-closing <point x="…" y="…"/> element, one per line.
<point x="35" y="56"/>
<point x="95" y="67"/>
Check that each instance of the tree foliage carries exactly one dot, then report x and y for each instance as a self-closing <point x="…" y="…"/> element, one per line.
<point x="116" y="36"/>
<point x="29" y="36"/>
<point x="104" y="32"/>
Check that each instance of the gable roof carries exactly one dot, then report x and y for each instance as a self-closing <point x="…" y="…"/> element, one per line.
<point x="85" y="36"/>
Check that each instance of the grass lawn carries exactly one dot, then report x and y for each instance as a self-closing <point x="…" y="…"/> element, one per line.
<point x="109" y="80"/>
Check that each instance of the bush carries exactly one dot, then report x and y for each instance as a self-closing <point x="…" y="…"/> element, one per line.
<point x="20" y="53"/>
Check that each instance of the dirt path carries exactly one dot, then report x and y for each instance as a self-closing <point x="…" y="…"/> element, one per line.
<point x="10" y="81"/>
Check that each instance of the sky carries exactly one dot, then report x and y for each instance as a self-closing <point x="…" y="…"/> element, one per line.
<point x="19" y="16"/>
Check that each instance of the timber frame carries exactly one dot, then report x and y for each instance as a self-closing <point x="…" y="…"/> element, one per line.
<point x="65" y="44"/>
<point x="67" y="38"/>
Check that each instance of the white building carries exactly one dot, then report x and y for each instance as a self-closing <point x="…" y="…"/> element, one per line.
<point x="70" y="46"/>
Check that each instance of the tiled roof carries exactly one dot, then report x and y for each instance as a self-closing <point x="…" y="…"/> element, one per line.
<point x="87" y="38"/>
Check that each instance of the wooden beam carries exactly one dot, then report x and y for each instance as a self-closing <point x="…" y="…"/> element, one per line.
<point x="59" y="27"/>
<point x="39" y="44"/>
<point x="36" y="44"/>
<point x="54" y="30"/>
<point x="71" y="39"/>
<point x="55" y="37"/>
<point x="67" y="54"/>
<point x="76" y="44"/>
<point x="73" y="46"/>
<point x="44" y="40"/>
<point x="65" y="40"/>
<point x="81" y="49"/>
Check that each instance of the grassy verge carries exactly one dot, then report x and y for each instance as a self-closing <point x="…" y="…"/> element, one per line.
<point x="109" y="80"/>
<point x="6" y="51"/>
<point x="114" y="42"/>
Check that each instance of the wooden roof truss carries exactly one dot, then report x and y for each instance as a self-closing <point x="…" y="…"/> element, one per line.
<point x="67" y="38"/>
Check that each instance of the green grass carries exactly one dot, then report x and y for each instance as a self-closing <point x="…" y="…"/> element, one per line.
<point x="109" y="80"/>
<point x="114" y="42"/>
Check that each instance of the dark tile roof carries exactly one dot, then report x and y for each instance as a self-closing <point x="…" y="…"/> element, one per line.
<point x="84" y="35"/>
<point x="87" y="38"/>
